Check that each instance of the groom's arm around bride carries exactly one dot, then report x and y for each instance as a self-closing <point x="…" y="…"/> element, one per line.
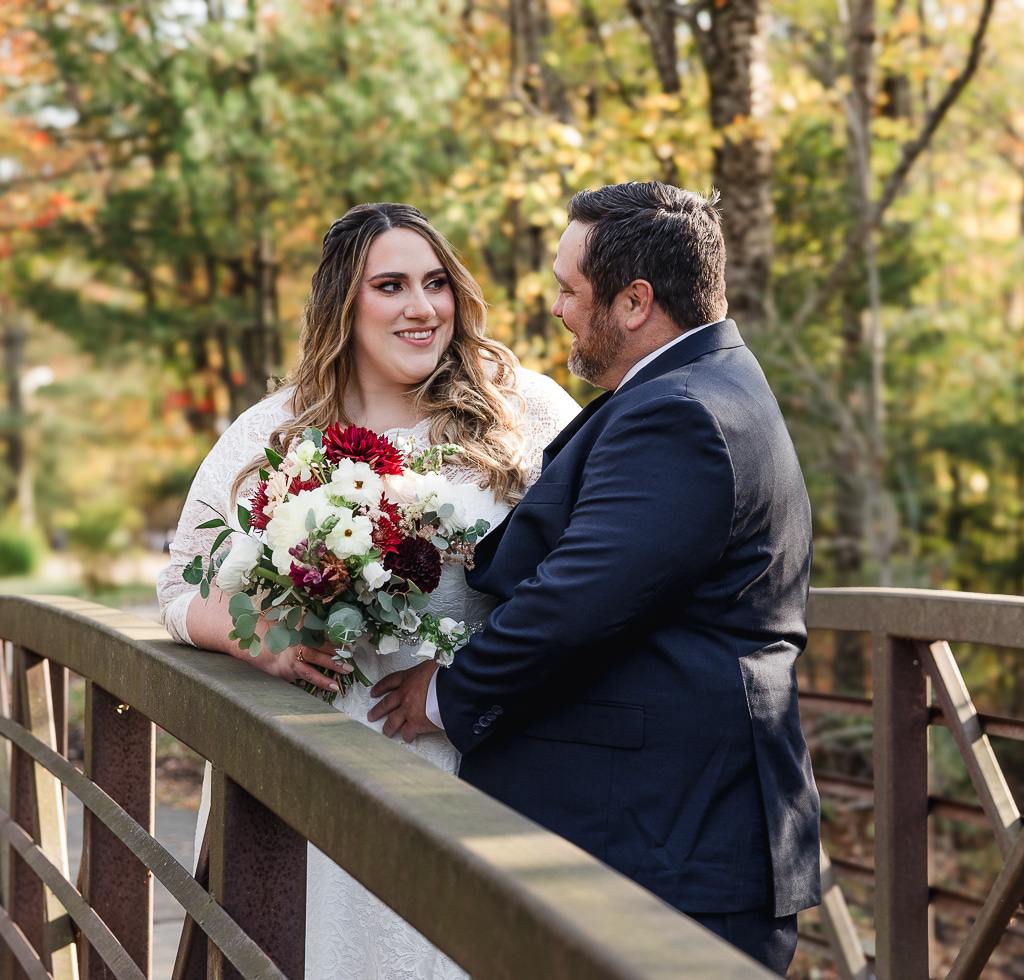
<point x="634" y="690"/>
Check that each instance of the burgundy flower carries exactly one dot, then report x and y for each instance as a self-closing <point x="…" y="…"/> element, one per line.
<point x="258" y="500"/>
<point x="386" y="535"/>
<point x="329" y="581"/>
<point x="297" y="485"/>
<point x="364" y="446"/>
<point x="416" y="560"/>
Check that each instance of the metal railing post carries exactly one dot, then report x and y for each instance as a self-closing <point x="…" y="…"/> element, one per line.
<point x="120" y="757"/>
<point x="258" y="876"/>
<point x="901" y="811"/>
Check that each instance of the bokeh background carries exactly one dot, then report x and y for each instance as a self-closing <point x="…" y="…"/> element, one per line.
<point x="168" y="169"/>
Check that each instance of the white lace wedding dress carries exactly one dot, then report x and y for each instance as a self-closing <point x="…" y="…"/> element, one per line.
<point x="350" y="934"/>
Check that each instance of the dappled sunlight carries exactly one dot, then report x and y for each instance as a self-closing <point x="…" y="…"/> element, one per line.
<point x="533" y="850"/>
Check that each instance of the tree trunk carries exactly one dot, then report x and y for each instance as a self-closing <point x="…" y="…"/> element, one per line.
<point x="14" y="346"/>
<point x="734" y="53"/>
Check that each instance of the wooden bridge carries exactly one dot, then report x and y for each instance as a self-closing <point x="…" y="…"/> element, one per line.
<point x="500" y="895"/>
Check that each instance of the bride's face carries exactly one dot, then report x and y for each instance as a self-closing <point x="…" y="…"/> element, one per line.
<point x="404" y="312"/>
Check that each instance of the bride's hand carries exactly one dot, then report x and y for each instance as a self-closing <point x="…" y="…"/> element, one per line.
<point x="300" y="663"/>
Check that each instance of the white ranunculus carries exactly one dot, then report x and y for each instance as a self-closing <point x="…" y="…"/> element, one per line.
<point x="427" y="650"/>
<point x="287" y="527"/>
<point x="352" y="535"/>
<point x="437" y="491"/>
<point x="356" y="481"/>
<point x="235" y="573"/>
<point x="375" y="574"/>
<point x="388" y="644"/>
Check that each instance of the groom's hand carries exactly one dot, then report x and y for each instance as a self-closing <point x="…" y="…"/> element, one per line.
<point x="405" y="704"/>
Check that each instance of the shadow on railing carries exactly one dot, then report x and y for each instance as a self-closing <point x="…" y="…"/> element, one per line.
<point x="497" y="893"/>
<point x="917" y="683"/>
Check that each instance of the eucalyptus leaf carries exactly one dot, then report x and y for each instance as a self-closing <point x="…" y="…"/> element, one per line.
<point x="314" y="436"/>
<point x="239" y="605"/>
<point x="385" y="600"/>
<point x="204" y="589"/>
<point x="193" y="571"/>
<point x="313" y="622"/>
<point x="438" y="542"/>
<point x="245" y="626"/>
<point x="445" y="511"/>
<point x="278" y="638"/>
<point x="419" y="600"/>
<point x="292" y="617"/>
<point x="311" y="520"/>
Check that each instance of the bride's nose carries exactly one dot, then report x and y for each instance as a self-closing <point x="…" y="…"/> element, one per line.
<point x="420" y="308"/>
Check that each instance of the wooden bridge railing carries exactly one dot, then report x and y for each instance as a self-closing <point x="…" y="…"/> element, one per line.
<point x="501" y="896"/>
<point x="916" y="684"/>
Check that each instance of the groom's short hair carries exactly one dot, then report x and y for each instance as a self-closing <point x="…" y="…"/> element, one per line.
<point x="653" y="231"/>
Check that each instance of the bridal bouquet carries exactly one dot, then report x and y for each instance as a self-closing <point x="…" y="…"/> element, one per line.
<point x="344" y="540"/>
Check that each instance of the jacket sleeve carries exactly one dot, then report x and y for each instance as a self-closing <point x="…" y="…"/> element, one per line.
<point x="652" y="519"/>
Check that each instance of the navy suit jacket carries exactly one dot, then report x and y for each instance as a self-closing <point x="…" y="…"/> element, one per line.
<point x="634" y="690"/>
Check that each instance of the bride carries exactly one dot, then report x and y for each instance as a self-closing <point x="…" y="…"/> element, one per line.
<point x="393" y="340"/>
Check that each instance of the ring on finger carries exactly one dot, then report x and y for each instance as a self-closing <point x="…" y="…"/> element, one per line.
<point x="300" y="658"/>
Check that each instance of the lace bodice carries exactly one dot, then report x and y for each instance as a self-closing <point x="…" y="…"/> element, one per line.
<point x="547" y="410"/>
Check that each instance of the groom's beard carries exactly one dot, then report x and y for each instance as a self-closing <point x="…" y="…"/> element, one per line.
<point x="590" y="359"/>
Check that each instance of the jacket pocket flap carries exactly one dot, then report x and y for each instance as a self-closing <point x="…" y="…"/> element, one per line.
<point x="545" y="493"/>
<point x="608" y="723"/>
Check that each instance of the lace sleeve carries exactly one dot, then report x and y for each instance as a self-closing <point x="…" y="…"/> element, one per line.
<point x="549" y="409"/>
<point x="243" y="441"/>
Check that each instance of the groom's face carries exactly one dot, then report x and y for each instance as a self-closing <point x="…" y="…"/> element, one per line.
<point x="597" y="339"/>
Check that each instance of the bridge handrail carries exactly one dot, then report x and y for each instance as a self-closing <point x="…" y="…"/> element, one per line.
<point x="496" y="892"/>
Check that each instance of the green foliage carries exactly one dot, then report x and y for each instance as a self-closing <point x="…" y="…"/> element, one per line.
<point x="20" y="551"/>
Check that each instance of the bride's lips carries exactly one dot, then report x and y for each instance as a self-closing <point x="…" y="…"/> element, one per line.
<point x="418" y="338"/>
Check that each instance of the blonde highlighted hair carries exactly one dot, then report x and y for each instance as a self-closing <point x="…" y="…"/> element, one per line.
<point x="470" y="396"/>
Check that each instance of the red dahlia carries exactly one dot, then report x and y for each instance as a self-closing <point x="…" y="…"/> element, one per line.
<point x="416" y="560"/>
<point x="386" y="535"/>
<point x="258" y="500"/>
<point x="297" y="485"/>
<point x="364" y="446"/>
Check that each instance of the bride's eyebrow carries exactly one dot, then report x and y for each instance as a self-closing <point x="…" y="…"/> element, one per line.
<point x="440" y="271"/>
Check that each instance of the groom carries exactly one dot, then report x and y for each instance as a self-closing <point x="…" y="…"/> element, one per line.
<point x="634" y="690"/>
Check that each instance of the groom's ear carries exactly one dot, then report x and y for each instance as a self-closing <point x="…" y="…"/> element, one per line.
<point x="637" y="301"/>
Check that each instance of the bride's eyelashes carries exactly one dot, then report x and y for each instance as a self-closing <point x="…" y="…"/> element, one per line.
<point x="392" y="286"/>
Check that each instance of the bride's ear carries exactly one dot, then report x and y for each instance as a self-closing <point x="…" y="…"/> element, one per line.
<point x="638" y="303"/>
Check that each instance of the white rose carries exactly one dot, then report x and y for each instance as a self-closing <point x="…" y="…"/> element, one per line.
<point x="287" y="527"/>
<point x="352" y="535"/>
<point x="375" y="575"/>
<point x="427" y="650"/>
<point x="235" y="572"/>
<point x="356" y="481"/>
<point x="449" y="625"/>
<point x="388" y="644"/>
<point x="402" y="490"/>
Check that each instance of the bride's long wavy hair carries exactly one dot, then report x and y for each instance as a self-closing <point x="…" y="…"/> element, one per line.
<point x="469" y="398"/>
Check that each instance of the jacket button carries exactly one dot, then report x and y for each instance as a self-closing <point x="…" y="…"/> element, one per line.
<point x="496" y="708"/>
<point x="478" y="729"/>
<point x="490" y="716"/>
<point x="485" y="721"/>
